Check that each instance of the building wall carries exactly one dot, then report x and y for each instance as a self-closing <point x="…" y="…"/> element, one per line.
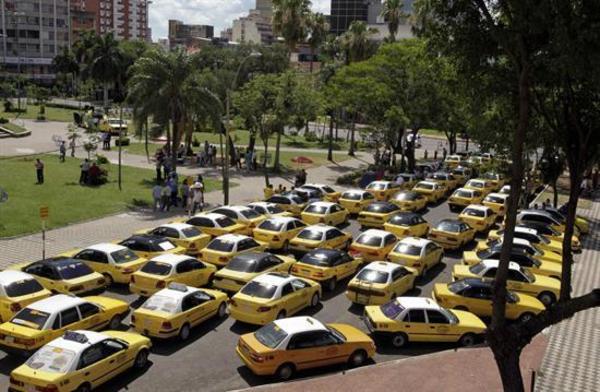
<point x="255" y="28"/>
<point x="181" y="34"/>
<point x="344" y="12"/>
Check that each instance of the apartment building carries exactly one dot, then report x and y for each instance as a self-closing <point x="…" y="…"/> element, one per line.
<point x="186" y="35"/>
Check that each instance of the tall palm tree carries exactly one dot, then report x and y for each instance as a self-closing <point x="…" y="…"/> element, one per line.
<point x="318" y="29"/>
<point x="105" y="63"/>
<point x="357" y="42"/>
<point x="166" y="85"/>
<point x="393" y="15"/>
<point x="290" y="20"/>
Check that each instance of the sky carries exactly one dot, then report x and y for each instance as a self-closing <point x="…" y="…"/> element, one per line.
<point x="218" y="13"/>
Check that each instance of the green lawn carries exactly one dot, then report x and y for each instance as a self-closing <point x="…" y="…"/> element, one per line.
<point x="68" y="202"/>
<point x="13" y="127"/>
<point x="52" y="114"/>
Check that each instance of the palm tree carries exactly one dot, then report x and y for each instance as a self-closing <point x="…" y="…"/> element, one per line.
<point x="318" y="29"/>
<point x="105" y="63"/>
<point x="356" y="42"/>
<point x="290" y="20"/>
<point x="65" y="63"/>
<point x="393" y="15"/>
<point x="166" y="85"/>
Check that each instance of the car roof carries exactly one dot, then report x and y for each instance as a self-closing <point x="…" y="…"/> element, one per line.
<point x="253" y="256"/>
<point x="449" y="220"/>
<point x="235" y="208"/>
<point x="261" y="204"/>
<point x="501" y="195"/>
<point x="475" y="282"/>
<point x="176" y="294"/>
<point x="294" y="325"/>
<point x="316" y="185"/>
<point x="232" y="237"/>
<point x="106" y="247"/>
<point x="319" y="227"/>
<point x="421" y="242"/>
<point x="478" y="207"/>
<point x="176" y="226"/>
<point x="427" y="182"/>
<point x="442" y="173"/>
<point x="147" y="238"/>
<point x="60" y="261"/>
<point x="406" y="214"/>
<point x="466" y="190"/>
<point x="325" y="204"/>
<point x="210" y="215"/>
<point x="56" y="303"/>
<point x="538" y="212"/>
<point x="382" y="266"/>
<point x="493" y="263"/>
<point x="375" y="233"/>
<point x="274" y="278"/>
<point x="170" y="258"/>
<point x="75" y="346"/>
<point x="282" y="219"/>
<point x="417" y="302"/>
<point x="520" y="241"/>
<point x="361" y="191"/>
<point x="526" y="230"/>
<point x="477" y="179"/>
<point x="382" y="182"/>
<point x="329" y="253"/>
<point x="9" y="276"/>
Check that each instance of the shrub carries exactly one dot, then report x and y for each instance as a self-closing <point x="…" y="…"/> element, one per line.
<point x="350" y="178"/>
<point x="311" y="137"/>
<point x="3" y="120"/>
<point x="124" y="141"/>
<point x="195" y="142"/>
<point x="8" y="106"/>
<point x="101" y="160"/>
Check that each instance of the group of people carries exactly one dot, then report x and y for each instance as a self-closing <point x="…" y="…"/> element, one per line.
<point x="590" y="182"/>
<point x="90" y="173"/>
<point x="207" y="155"/>
<point x="300" y="178"/>
<point x="105" y="137"/>
<point x="382" y="158"/>
<point x="189" y="195"/>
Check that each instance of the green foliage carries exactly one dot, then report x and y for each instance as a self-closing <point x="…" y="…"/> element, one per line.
<point x="291" y="20"/>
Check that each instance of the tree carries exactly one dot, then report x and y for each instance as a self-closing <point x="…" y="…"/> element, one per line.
<point x="393" y="15"/>
<point x="290" y="21"/>
<point x="317" y="32"/>
<point x="66" y="63"/>
<point x="105" y="63"/>
<point x="357" y="43"/>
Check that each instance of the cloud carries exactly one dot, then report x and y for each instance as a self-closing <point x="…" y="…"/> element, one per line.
<point x="218" y="13"/>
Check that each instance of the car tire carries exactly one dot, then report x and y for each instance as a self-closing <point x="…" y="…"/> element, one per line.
<point x="280" y="315"/>
<point x="285" y="371"/>
<point x="330" y="284"/>
<point x="358" y="358"/>
<point x="84" y="388"/>
<point x="222" y="311"/>
<point x="115" y="322"/>
<point x="184" y="332"/>
<point x="399" y="340"/>
<point x="547" y="298"/>
<point x="467" y="340"/>
<point x="141" y="359"/>
<point x="314" y="301"/>
<point x="524" y="317"/>
<point x="109" y="280"/>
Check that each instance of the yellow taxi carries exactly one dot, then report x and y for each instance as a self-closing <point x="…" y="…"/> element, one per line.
<point x="149" y="246"/>
<point x="270" y="210"/>
<point x="115" y="262"/>
<point x="481" y="185"/>
<point x="519" y="243"/>
<point x="543" y="216"/>
<point x="519" y="256"/>
<point x="158" y="272"/>
<point x="479" y="217"/>
<point x="326" y="212"/>
<point x="407" y="224"/>
<point x="286" y="346"/>
<point x="409" y="200"/>
<point x="288" y="202"/>
<point x="383" y="190"/>
<point x="64" y="275"/>
<point x="182" y="234"/>
<point x="463" y="197"/>
<point x="447" y="180"/>
<point x="273" y="296"/>
<point x="407" y="181"/>
<point x="17" y="290"/>
<point x="540" y="241"/>
<point x="416" y="319"/>
<point x="320" y="236"/>
<point x="373" y="244"/>
<point x="215" y="224"/>
<point x="505" y="189"/>
<point x="326" y="267"/>
<point x="245" y="267"/>
<point x="451" y="233"/>
<point x="81" y="360"/>
<point x="497" y="180"/>
<point x="355" y="200"/>
<point x="243" y="215"/>
<point x="329" y="194"/>
<point x="376" y="214"/>
<point x="276" y="233"/>
<point x="176" y="309"/>
<point x="475" y="295"/>
<point x="498" y="202"/>
<point x="45" y="320"/>
<point x="432" y="190"/>
<point x="453" y="161"/>
<point x="544" y="288"/>
<point x="380" y="282"/>
<point x="224" y="248"/>
<point x="417" y="253"/>
<point x="552" y="234"/>
<point x="462" y="174"/>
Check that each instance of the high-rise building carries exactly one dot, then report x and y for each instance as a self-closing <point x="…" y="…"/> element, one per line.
<point x="32" y="33"/>
<point x="265" y="7"/>
<point x="181" y="34"/>
<point x="255" y="28"/>
<point x="344" y="12"/>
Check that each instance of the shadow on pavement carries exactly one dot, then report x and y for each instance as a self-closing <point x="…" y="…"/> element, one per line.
<point x="124" y="379"/>
<point x="170" y="346"/>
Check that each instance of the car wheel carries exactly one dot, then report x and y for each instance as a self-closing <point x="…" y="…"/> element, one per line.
<point x="84" y="388"/>
<point x="467" y="340"/>
<point x="184" y="332"/>
<point x="222" y="312"/>
<point x="286" y="247"/>
<point x="280" y="315"/>
<point x="399" y="340"/>
<point x="546" y="298"/>
<point x="109" y="280"/>
<point x="525" y="317"/>
<point x="330" y="284"/>
<point x="314" y="301"/>
<point x="285" y="371"/>
<point x="358" y="358"/>
<point x="115" y="322"/>
<point x="141" y="359"/>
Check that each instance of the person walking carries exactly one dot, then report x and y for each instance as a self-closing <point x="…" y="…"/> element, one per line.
<point x="39" y="171"/>
<point x="156" y="193"/>
<point x="184" y="191"/>
<point x="62" y="149"/>
<point x="85" y="168"/>
<point x="165" y="197"/>
<point x="174" y="190"/>
<point x="72" y="145"/>
<point x="197" y="197"/>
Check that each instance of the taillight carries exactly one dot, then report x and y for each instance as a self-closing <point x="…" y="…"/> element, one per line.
<point x="47" y="388"/>
<point x="275" y="238"/>
<point x="76" y="288"/>
<point x="15" y="307"/>
<point x="132" y="280"/>
<point x="192" y="246"/>
<point x="133" y="318"/>
<point x="263" y="309"/>
<point x="128" y="271"/>
<point x="257" y="358"/>
<point x="232" y="302"/>
<point x="25" y="342"/>
<point x="294" y="269"/>
<point x="321" y="220"/>
<point x="161" y="284"/>
<point x="501" y="208"/>
<point x="16" y="382"/>
<point x="319" y="274"/>
<point x="372" y="253"/>
<point x="416" y="264"/>
<point x="223" y="259"/>
<point x="167" y="325"/>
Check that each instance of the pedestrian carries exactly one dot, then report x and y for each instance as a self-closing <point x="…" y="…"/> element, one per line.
<point x="85" y="168"/>
<point x="63" y="151"/>
<point x="185" y="193"/>
<point x="210" y="156"/>
<point x="165" y="197"/>
<point x="197" y="197"/>
<point x="400" y="180"/>
<point x="584" y="186"/>
<point x="174" y="190"/>
<point x="268" y="191"/>
<point x="158" y="171"/>
<point x="376" y="156"/>
<point x="39" y="171"/>
<point x="156" y="192"/>
<point x="72" y="146"/>
<point x="248" y="160"/>
<point x="444" y="153"/>
<point x="108" y="137"/>
<point x="94" y="174"/>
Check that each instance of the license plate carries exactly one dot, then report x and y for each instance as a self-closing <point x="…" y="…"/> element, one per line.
<point x="9" y="339"/>
<point x="362" y="299"/>
<point x="30" y="388"/>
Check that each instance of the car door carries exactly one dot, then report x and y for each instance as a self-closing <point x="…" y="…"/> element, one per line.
<point x="42" y="274"/>
<point x="102" y="361"/>
<point x="415" y="324"/>
<point x="402" y="281"/>
<point x="91" y="317"/>
<point x="301" y="293"/>
<point x="517" y="281"/>
<point x="185" y="273"/>
<point x="431" y="255"/>
<point x="440" y="327"/>
<point x="199" y="275"/>
<point x="290" y="299"/>
<point x="71" y="320"/>
<point x="98" y="261"/>
<point x="335" y="239"/>
<point x="196" y="307"/>
<point x="342" y="266"/>
<point x="303" y="352"/>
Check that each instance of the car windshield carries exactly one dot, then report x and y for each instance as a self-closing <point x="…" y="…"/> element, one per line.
<point x="161" y="303"/>
<point x="528" y="274"/>
<point x="250" y="214"/>
<point x="191" y="232"/>
<point x="22" y="287"/>
<point x="31" y="318"/>
<point x="124" y="256"/>
<point x="408" y="249"/>
<point x="494" y="199"/>
<point x="369" y="239"/>
<point x="449" y="226"/>
<point x="225" y="221"/>
<point x="221" y="245"/>
<point x="392" y="309"/>
<point x="491" y="176"/>
<point x="352" y="196"/>
<point x="316" y="209"/>
<point x="457" y="286"/>
<point x="451" y="316"/>
<point x="441" y="177"/>
<point x="372" y="276"/>
<point x="156" y="268"/>
<point x="165" y="245"/>
<point x="406" y="196"/>
<point x="477" y="268"/>
<point x="473" y="212"/>
<point x="52" y="360"/>
<point x="476" y="184"/>
<point x="377" y="186"/>
<point x="312" y="235"/>
<point x="271" y="225"/>
<point x="462" y="193"/>
<point x="544" y="239"/>
<point x="318" y="259"/>
<point x="270" y="335"/>
<point x="402" y="220"/>
<point x="424" y="185"/>
<point x="274" y="209"/>
<point x="484" y="254"/>
<point x="381" y="208"/>
<point x="259" y="289"/>
<point x="73" y="270"/>
<point x="242" y="264"/>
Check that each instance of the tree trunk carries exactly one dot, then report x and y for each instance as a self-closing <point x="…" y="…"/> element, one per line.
<point x="337" y="124"/>
<point x="105" y="95"/>
<point x="555" y="188"/>
<point x="120" y="143"/>
<point x="276" y="164"/>
<point x="312" y="53"/>
<point x="174" y="140"/>
<point x="330" y="144"/>
<point x="146" y="148"/>
<point x="509" y="368"/>
<point x="575" y="177"/>
<point x="265" y="163"/>
<point x="352" y="130"/>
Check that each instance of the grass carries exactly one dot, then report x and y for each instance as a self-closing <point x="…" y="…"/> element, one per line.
<point x="68" y="202"/>
<point x="13" y="127"/>
<point x="52" y="114"/>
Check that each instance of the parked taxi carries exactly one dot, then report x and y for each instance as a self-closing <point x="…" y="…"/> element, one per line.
<point x="273" y="296"/>
<point x="522" y="244"/>
<point x="283" y="347"/>
<point x="17" y="290"/>
<point x="157" y="273"/>
<point x="289" y="202"/>
<point x="325" y="212"/>
<point x="408" y="180"/>
<point x="540" y="241"/>
<point x="149" y="246"/>
<point x="383" y="190"/>
<point x="373" y="244"/>
<point x="380" y="282"/>
<point x="377" y="213"/>
<point x="326" y="266"/>
<point x="224" y="248"/>
<point x="498" y="202"/>
<point x="185" y="235"/>
<point x="40" y="322"/>
<point x="407" y="224"/>
<point x="479" y="217"/>
<point x="552" y="234"/>
<point x="519" y="256"/>
<point x="215" y="224"/>
<point x="462" y="174"/>
<point x="463" y="197"/>
<point x="276" y="233"/>
<point x="417" y="253"/>
<point x="497" y="180"/>
<point x="409" y="200"/>
<point x="329" y="194"/>
<point x="174" y="310"/>
<point x="447" y="180"/>
<point x="270" y="210"/>
<point x="81" y="360"/>
<point x="481" y="185"/>
<point x="320" y="236"/>
<point x="416" y="319"/>
<point x="432" y="190"/>
<point x="453" y="161"/>
<point x="243" y="215"/>
<point x="451" y="233"/>
<point x="356" y="200"/>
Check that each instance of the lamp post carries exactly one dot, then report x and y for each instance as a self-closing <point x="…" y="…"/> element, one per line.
<point x="228" y="126"/>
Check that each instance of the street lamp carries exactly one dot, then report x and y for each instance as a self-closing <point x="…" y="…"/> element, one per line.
<point x="228" y="126"/>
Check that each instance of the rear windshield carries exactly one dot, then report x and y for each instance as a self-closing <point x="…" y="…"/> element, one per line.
<point x="258" y="289"/>
<point x="463" y="193"/>
<point x="161" y="303"/>
<point x="52" y="359"/>
<point x="450" y="226"/>
<point x="372" y="276"/>
<point x="271" y="225"/>
<point x="124" y="256"/>
<point x="377" y="186"/>
<point x="315" y="209"/>
<point x="220" y="245"/>
<point x="242" y="264"/>
<point x="494" y="199"/>
<point x="408" y="249"/>
<point x="250" y="214"/>
<point x="402" y="220"/>
<point x="458" y="286"/>
<point x="317" y="259"/>
<point x="270" y="335"/>
<point x="156" y="268"/>
<point x="369" y="240"/>
<point x="191" y="232"/>
<point x="22" y="287"/>
<point x="312" y="235"/>
<point x="73" y="271"/>
<point x="476" y="184"/>
<point x="477" y="268"/>
<point x="425" y="185"/>
<point x="162" y="246"/>
<point x="485" y="254"/>
<point x="225" y="221"/>
<point x="392" y="309"/>
<point x="352" y="196"/>
<point x="406" y="196"/>
<point x="473" y="212"/>
<point x="328" y="189"/>
<point x="381" y="208"/>
<point x="31" y="318"/>
<point x="442" y="177"/>
<point x="274" y="209"/>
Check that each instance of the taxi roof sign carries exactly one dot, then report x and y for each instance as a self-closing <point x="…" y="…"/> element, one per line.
<point x="75" y="337"/>
<point x="178" y="287"/>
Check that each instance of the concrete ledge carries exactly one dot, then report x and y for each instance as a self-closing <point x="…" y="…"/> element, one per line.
<point x="4" y="132"/>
